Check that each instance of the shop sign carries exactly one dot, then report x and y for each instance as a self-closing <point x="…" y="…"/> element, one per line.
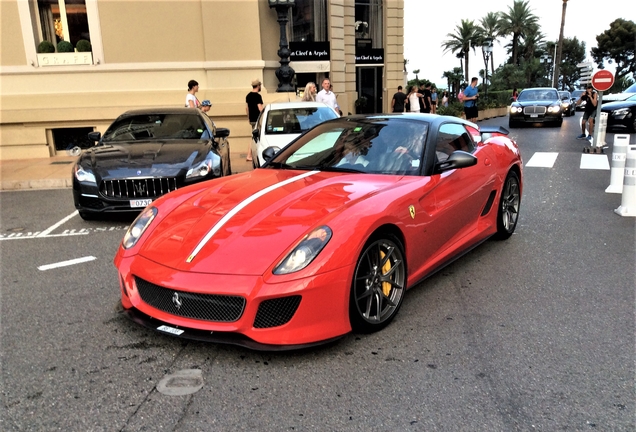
<point x="372" y="56"/>
<point x="309" y="51"/>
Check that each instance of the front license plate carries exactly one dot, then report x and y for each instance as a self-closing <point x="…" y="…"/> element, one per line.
<point x="140" y="203"/>
<point x="534" y="115"/>
<point x="174" y="331"/>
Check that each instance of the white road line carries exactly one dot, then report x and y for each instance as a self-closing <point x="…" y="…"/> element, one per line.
<point x="542" y="160"/>
<point x="63" y="221"/>
<point x="66" y="263"/>
<point x="594" y="162"/>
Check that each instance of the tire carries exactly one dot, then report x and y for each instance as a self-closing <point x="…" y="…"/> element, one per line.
<point x="508" y="210"/>
<point x="379" y="284"/>
<point x="86" y="216"/>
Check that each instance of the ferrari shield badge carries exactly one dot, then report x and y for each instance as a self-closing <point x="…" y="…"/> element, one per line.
<point x="412" y="211"/>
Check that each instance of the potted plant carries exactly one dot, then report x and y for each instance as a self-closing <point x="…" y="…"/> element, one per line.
<point x="46" y="47"/>
<point x="83" y="46"/>
<point x="66" y="54"/>
<point x="65" y="46"/>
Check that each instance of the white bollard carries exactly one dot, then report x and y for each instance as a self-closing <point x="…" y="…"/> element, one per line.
<point x="602" y="129"/>
<point x="617" y="166"/>
<point x="628" y="199"/>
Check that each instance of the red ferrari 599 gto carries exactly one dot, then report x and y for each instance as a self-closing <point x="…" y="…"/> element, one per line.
<point x="326" y="238"/>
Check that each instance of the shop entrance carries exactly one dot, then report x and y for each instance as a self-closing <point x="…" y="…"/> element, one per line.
<point x="369" y="87"/>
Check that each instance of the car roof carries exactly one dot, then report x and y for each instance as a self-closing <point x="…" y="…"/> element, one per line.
<point x="288" y="105"/>
<point x="433" y="119"/>
<point x="162" y="110"/>
<point x="539" y="88"/>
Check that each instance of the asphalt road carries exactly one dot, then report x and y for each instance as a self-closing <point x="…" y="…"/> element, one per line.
<point x="532" y="334"/>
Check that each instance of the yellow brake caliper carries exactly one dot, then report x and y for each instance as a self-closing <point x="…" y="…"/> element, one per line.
<point x="386" y="286"/>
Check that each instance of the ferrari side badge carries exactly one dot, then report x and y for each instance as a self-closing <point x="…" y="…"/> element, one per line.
<point x="412" y="211"/>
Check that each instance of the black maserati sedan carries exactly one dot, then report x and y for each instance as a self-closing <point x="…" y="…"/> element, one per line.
<point x="621" y="114"/>
<point x="145" y="154"/>
<point x="536" y="105"/>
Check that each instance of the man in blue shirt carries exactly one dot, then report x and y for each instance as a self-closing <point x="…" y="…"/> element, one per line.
<point x="470" y="100"/>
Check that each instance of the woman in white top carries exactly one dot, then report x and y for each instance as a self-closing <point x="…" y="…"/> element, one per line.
<point x="414" y="100"/>
<point x="191" y="100"/>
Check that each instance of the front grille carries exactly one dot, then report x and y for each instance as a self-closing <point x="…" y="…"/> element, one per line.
<point x="138" y="188"/>
<point x="534" y="110"/>
<point x="276" y="312"/>
<point x="207" y="307"/>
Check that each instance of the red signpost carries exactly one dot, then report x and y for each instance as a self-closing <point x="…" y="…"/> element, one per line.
<point x="602" y="80"/>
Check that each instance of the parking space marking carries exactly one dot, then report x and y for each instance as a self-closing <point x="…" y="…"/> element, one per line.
<point x="595" y="162"/>
<point x="52" y="227"/>
<point x="66" y="263"/>
<point x="542" y="160"/>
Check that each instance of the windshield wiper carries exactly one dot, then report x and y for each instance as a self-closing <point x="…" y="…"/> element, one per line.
<point x="340" y="169"/>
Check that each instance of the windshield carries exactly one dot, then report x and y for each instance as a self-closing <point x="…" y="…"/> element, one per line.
<point x="379" y="146"/>
<point x="296" y="120"/>
<point x="577" y="93"/>
<point x="156" y="126"/>
<point x="538" y="95"/>
<point x="564" y="95"/>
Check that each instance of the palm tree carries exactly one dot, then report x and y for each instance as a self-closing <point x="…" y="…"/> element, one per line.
<point x="532" y="43"/>
<point x="453" y="79"/>
<point x="489" y="29"/>
<point x="517" y="23"/>
<point x="462" y="40"/>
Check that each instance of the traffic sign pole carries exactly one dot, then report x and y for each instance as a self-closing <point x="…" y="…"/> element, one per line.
<point x="602" y="80"/>
<point x="597" y="121"/>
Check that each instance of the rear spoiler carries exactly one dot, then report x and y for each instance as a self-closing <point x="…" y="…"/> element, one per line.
<point x="494" y="130"/>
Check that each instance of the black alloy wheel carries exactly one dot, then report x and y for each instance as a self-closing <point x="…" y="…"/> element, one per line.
<point x="379" y="284"/>
<point x="508" y="213"/>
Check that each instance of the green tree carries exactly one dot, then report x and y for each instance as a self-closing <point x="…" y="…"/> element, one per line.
<point x="517" y="23"/>
<point x="453" y="79"/>
<point x="417" y="80"/>
<point x="461" y="41"/>
<point x="617" y="45"/>
<point x="488" y="29"/>
<point x="507" y="77"/>
<point x="572" y="53"/>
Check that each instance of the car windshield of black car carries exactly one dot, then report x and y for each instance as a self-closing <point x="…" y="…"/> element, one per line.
<point x="538" y="95"/>
<point x="381" y="147"/>
<point x="296" y="120"/>
<point x="155" y="127"/>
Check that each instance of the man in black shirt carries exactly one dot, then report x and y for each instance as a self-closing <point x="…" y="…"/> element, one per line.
<point x="253" y="108"/>
<point x="590" y="112"/>
<point x="427" y="98"/>
<point x="398" y="101"/>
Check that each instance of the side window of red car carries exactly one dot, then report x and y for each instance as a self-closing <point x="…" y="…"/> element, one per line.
<point x="451" y="137"/>
<point x="474" y="133"/>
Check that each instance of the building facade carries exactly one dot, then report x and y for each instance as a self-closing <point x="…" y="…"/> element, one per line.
<point x="141" y="53"/>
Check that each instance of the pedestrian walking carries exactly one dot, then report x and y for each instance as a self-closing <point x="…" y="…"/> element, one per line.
<point x="253" y="108"/>
<point x="590" y="112"/>
<point x="398" y="101"/>
<point x="327" y="96"/>
<point x="310" y="92"/>
<point x="414" y="99"/>
<point x="471" y="94"/>
<point x="191" y="100"/>
<point x="433" y="100"/>
<point x="445" y="99"/>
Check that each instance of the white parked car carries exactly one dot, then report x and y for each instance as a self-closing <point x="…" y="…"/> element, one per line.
<point x="281" y="123"/>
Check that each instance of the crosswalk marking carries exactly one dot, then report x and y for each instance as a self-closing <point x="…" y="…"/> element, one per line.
<point x="594" y="161"/>
<point x="588" y="161"/>
<point x="542" y="160"/>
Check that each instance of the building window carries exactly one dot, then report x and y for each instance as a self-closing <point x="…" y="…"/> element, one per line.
<point x="369" y="22"/>
<point x="62" y="20"/>
<point x="308" y="21"/>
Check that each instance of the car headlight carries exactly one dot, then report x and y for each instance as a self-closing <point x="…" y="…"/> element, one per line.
<point x="515" y="109"/>
<point x="554" y="108"/>
<point x="305" y="252"/>
<point x="565" y="104"/>
<point x="138" y="227"/>
<point x="211" y="164"/>
<point x="82" y="175"/>
<point x="620" y="112"/>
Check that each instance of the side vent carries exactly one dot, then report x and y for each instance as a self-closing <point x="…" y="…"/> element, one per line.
<point x="488" y="205"/>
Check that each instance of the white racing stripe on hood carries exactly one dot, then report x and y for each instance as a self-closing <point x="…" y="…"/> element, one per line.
<point x="240" y="207"/>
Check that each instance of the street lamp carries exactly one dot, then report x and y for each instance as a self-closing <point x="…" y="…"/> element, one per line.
<point x="546" y="58"/>
<point x="284" y="73"/>
<point x="487" y="47"/>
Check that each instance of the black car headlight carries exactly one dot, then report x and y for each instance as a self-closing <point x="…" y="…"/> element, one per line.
<point x="305" y="251"/>
<point x="83" y="175"/>
<point x="138" y="227"/>
<point x="211" y="164"/>
<point x="515" y="109"/>
<point x="620" y="112"/>
<point x="554" y="108"/>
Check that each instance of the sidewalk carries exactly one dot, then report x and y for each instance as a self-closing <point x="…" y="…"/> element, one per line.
<point x="55" y="172"/>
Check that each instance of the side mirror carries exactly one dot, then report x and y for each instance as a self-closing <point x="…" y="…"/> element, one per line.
<point x="255" y="134"/>
<point x="222" y="133"/>
<point x="94" y="136"/>
<point x="457" y="159"/>
<point x="270" y="152"/>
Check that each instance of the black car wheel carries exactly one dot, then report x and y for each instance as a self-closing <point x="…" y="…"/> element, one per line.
<point x="508" y="212"/>
<point x="378" y="286"/>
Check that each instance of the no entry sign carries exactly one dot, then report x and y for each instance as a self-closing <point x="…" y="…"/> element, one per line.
<point x="602" y="80"/>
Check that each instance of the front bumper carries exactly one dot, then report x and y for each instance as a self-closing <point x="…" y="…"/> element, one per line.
<point x="321" y="315"/>
<point x="536" y="118"/>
